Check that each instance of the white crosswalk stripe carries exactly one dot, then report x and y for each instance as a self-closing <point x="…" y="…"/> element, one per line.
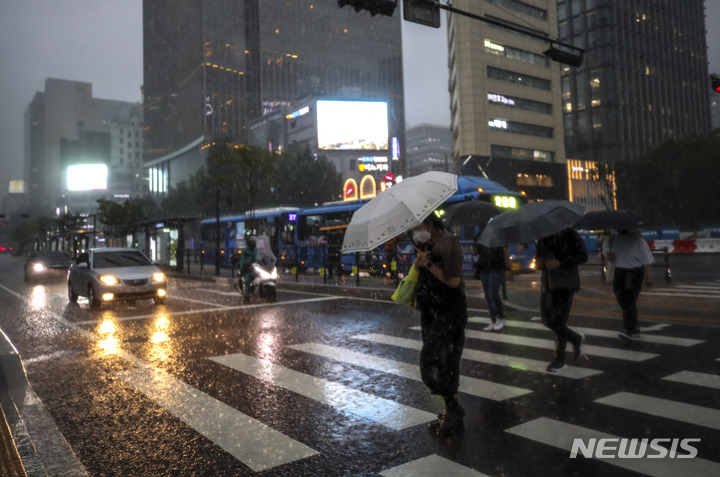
<point x="431" y="466"/>
<point x="560" y="435"/>
<point x="515" y="362"/>
<point x="624" y="354"/>
<point x="669" y="340"/>
<point x="343" y="398"/>
<point x="468" y="385"/>
<point x="251" y="442"/>
<point x="696" y="379"/>
<point x="695" y="290"/>
<point x="678" y="411"/>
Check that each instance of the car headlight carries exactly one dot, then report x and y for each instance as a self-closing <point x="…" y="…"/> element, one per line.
<point x="108" y="280"/>
<point x="38" y="267"/>
<point x="158" y="277"/>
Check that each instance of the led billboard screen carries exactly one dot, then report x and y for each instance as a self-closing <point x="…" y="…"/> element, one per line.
<point x="16" y="187"/>
<point x="352" y="125"/>
<point x="82" y="177"/>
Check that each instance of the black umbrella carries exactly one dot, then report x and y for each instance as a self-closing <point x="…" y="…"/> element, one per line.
<point x="610" y="219"/>
<point x="473" y="212"/>
<point x="530" y="222"/>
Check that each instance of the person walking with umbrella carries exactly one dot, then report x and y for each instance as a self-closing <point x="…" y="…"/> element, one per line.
<point x="443" y="317"/>
<point x="558" y="256"/>
<point x="559" y="252"/>
<point x="633" y="261"/>
<point x="492" y="267"/>
<point x="440" y="294"/>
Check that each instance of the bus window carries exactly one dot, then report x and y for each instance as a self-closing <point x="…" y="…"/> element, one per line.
<point x="308" y="225"/>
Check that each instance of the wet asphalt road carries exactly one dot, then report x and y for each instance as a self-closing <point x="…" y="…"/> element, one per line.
<point x="325" y="386"/>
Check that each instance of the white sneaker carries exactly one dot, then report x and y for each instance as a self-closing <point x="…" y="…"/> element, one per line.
<point x="489" y="327"/>
<point x="499" y="324"/>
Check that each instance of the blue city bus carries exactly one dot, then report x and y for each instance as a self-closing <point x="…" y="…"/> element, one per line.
<point x="311" y="238"/>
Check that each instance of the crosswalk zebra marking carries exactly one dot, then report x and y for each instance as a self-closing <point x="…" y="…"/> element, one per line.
<point x="431" y="466"/>
<point x="677" y="411"/>
<point x="664" y="292"/>
<point x="624" y="354"/>
<point x="468" y="385"/>
<point x="523" y="364"/>
<point x="669" y="340"/>
<point x="697" y="287"/>
<point x="696" y="379"/>
<point x="343" y="398"/>
<point x="561" y="435"/>
<point x="251" y="442"/>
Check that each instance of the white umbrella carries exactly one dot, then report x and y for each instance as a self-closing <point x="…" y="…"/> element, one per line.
<point x="397" y="210"/>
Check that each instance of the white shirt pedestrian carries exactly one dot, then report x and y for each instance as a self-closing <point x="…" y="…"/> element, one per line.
<point x="630" y="251"/>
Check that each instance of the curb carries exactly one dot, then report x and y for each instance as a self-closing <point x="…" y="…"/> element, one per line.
<point x="14" y="387"/>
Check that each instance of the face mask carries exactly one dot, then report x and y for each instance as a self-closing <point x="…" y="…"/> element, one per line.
<point x="420" y="236"/>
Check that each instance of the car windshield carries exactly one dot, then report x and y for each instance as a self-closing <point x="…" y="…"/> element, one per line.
<point x="120" y="259"/>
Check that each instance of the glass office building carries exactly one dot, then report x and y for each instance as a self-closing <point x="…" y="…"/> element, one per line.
<point x="644" y="78"/>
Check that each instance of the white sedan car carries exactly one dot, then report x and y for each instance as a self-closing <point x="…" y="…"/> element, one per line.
<point x="109" y="274"/>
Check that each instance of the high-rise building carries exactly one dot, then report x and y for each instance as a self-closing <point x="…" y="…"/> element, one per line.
<point x="644" y="79"/>
<point x="212" y="66"/>
<point x="66" y="126"/>
<point x="505" y="94"/>
<point x="429" y="148"/>
<point x="127" y="175"/>
<point x="715" y="111"/>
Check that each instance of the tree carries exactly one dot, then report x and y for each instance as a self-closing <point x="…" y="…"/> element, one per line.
<point x="674" y="184"/>
<point x="118" y="218"/>
<point x="305" y="179"/>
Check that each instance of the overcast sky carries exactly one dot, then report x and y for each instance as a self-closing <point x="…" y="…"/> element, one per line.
<point x="100" y="41"/>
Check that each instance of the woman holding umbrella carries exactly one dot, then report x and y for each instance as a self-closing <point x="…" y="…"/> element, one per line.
<point x="443" y="307"/>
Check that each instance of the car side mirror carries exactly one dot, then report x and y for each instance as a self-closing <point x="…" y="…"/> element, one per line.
<point x="83" y="265"/>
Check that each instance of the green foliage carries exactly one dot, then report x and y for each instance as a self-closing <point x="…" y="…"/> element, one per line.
<point x="118" y="217"/>
<point x="250" y="177"/>
<point x="674" y="184"/>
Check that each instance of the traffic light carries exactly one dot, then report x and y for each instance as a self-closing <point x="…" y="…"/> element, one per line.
<point x="715" y="82"/>
<point x="424" y="12"/>
<point x="374" y="7"/>
<point x="564" y="56"/>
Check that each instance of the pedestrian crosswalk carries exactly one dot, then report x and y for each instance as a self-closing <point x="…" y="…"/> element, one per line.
<point x="707" y="290"/>
<point x="499" y="368"/>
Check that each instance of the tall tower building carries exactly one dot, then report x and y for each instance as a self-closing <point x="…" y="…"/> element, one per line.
<point x="644" y="78"/>
<point x="211" y="66"/>
<point x="505" y="94"/>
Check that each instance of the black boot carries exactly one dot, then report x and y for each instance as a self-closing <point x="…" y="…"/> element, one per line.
<point x="450" y="422"/>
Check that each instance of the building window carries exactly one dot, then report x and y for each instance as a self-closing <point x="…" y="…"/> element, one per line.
<point x="515" y="54"/>
<point x="517" y="78"/>
<point x="509" y="152"/>
<point x="515" y="127"/>
<point x="519" y="103"/>
<point x="521" y="7"/>
<point x="534" y="180"/>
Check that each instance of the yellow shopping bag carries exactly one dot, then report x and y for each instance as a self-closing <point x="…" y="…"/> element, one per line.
<point x="406" y="292"/>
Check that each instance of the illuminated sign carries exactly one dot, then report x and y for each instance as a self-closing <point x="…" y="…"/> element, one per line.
<point x="373" y="167"/>
<point x="499" y="98"/>
<point x="498" y="123"/>
<point x="373" y="159"/>
<point x="16" y="187"/>
<point x="352" y="125"/>
<point x="395" y="146"/>
<point x="292" y="217"/>
<point x="298" y="113"/>
<point x="83" y="177"/>
<point x="368" y="187"/>
<point x="350" y="190"/>
<point x="505" y="202"/>
<point x="493" y="46"/>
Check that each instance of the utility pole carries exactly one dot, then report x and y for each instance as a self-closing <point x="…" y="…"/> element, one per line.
<point x="217" y="232"/>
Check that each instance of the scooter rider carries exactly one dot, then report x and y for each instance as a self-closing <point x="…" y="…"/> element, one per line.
<point x="247" y="258"/>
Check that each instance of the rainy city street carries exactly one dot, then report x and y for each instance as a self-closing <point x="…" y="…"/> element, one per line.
<point x="326" y="385"/>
